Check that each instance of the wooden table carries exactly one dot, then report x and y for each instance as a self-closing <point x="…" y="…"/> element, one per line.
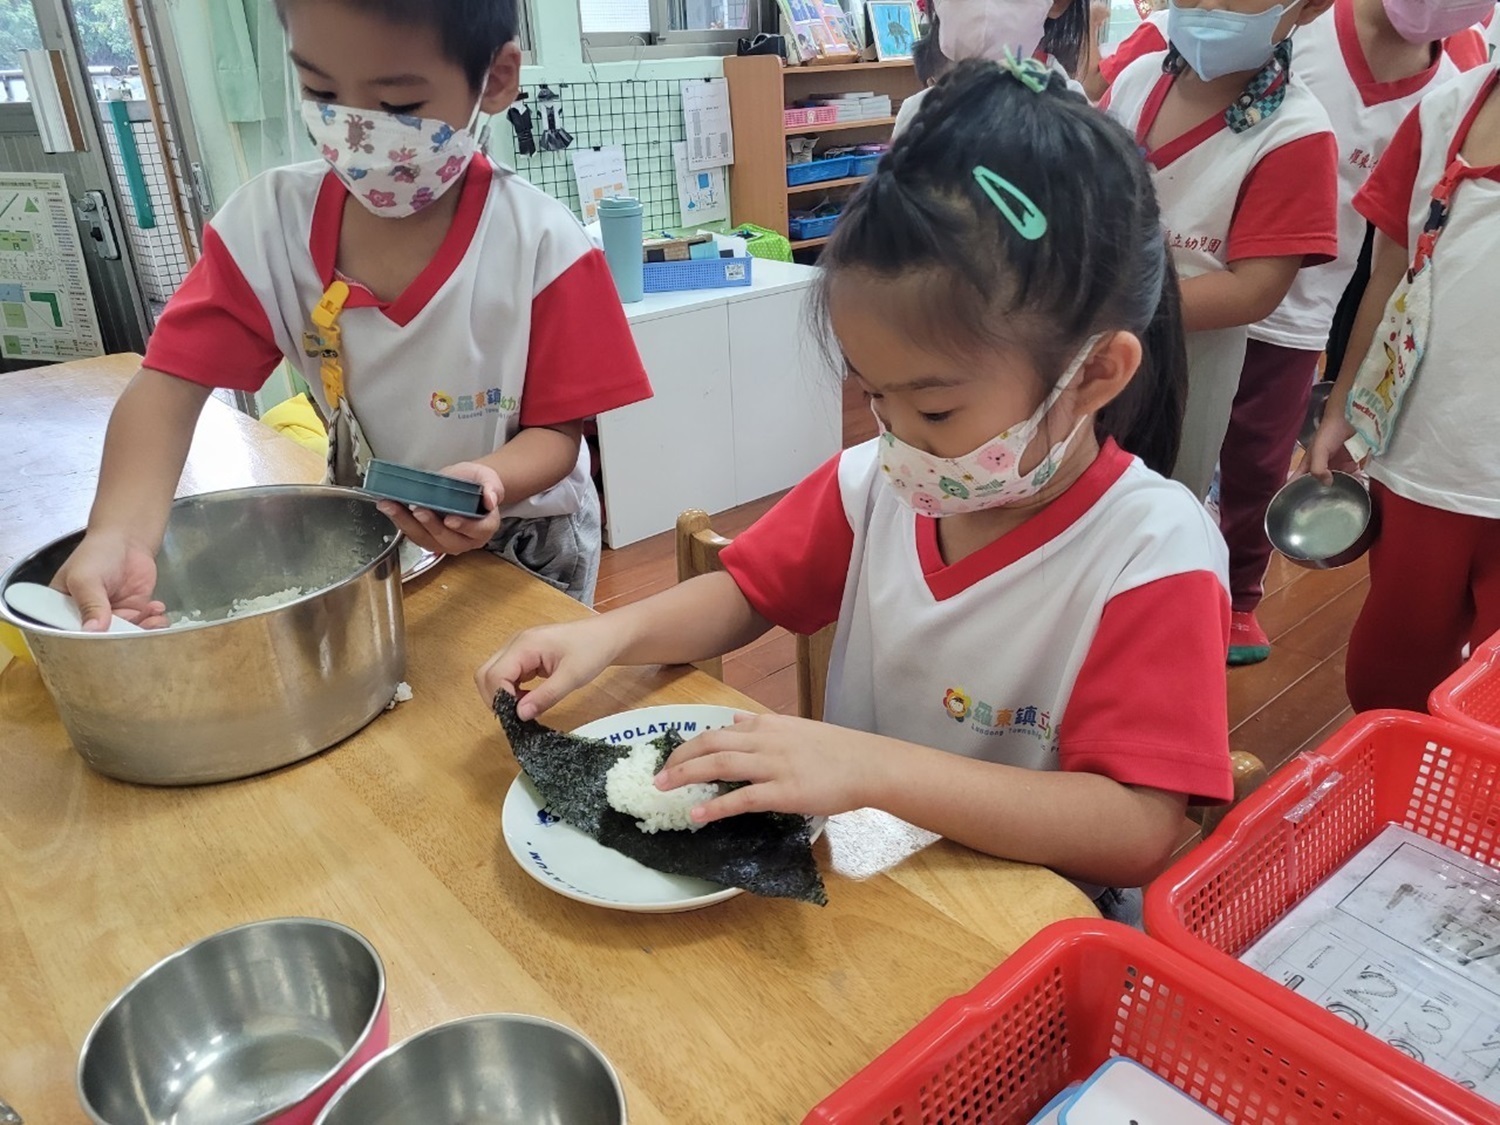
<point x="750" y="1011"/>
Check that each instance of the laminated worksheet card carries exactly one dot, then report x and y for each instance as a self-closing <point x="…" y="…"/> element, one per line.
<point x="601" y="175"/>
<point x="1403" y="941"/>
<point x="701" y="196"/>
<point x="1123" y="1092"/>
<point x="705" y="111"/>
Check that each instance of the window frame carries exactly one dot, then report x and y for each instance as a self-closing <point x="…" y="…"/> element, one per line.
<point x="661" y="41"/>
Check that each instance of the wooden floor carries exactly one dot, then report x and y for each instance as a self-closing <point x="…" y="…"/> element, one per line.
<point x="1290" y="703"/>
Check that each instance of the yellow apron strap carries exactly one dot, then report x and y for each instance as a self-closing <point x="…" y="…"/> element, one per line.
<point x="325" y="341"/>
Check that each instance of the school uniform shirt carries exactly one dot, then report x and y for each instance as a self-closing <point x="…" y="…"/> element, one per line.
<point x="1442" y="449"/>
<point x="1466" y="49"/>
<point x="515" y="322"/>
<point x="1268" y="192"/>
<point x="1091" y="638"/>
<point x="1365" y="114"/>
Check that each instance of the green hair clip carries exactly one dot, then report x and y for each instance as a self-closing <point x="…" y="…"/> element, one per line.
<point x="1014" y="204"/>
<point x="1031" y="73"/>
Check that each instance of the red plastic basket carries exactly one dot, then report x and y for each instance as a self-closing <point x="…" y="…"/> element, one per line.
<point x="1080" y="993"/>
<point x="1433" y="777"/>
<point x="1471" y="696"/>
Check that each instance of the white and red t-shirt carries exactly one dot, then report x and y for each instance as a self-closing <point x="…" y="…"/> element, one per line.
<point x="1091" y="638"/>
<point x="1365" y="114"/>
<point x="515" y="322"/>
<point x="1467" y="49"/>
<point x="1442" y="451"/>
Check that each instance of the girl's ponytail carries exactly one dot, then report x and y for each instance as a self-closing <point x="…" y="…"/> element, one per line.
<point x="1147" y="418"/>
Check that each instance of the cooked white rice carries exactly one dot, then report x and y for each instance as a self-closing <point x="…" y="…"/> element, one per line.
<point x="630" y="788"/>
<point x="265" y="601"/>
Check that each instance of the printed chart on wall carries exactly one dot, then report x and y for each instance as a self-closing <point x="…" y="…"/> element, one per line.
<point x="46" y="304"/>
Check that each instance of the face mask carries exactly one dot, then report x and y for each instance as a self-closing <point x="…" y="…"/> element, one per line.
<point x="989" y="477"/>
<point x="986" y="29"/>
<point x="1422" y="21"/>
<point x="1215" y="43"/>
<point x="394" y="164"/>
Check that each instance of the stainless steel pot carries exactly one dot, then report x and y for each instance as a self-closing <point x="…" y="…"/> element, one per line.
<point x="230" y="698"/>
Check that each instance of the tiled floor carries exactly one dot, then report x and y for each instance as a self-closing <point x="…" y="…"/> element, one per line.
<point x="1276" y="709"/>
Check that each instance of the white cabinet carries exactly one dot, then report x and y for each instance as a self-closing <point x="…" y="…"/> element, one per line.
<point x="745" y="404"/>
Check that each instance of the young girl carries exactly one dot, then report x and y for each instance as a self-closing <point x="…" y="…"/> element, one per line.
<point x="1435" y="569"/>
<point x="1031" y="626"/>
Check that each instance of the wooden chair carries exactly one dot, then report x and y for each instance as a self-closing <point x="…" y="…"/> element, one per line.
<point x="698" y="549"/>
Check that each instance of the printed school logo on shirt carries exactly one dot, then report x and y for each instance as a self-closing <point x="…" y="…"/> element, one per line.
<point x="990" y="720"/>
<point x="490" y="401"/>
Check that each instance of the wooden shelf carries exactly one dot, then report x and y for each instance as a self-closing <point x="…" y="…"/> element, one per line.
<point x="847" y="68"/>
<point x="809" y="243"/>
<point x="848" y="181"/>
<point x="842" y="126"/>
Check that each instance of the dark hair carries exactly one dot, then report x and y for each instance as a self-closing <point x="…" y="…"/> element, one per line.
<point x="1101" y="266"/>
<point x="1063" y="36"/>
<point x="927" y="56"/>
<point x="471" y="31"/>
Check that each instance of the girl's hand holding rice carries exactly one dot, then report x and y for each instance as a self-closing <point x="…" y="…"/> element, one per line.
<point x="787" y="765"/>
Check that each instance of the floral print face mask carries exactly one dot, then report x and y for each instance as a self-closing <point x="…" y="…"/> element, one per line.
<point x="990" y="476"/>
<point x="394" y="164"/>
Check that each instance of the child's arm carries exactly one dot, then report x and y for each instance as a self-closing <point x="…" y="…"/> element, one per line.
<point x="145" y="447"/>
<point x="1080" y="824"/>
<point x="704" y="617"/>
<point x="1326" y="453"/>
<point x="1250" y="290"/>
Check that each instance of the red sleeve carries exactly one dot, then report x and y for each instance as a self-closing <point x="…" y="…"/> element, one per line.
<point x="1468" y="49"/>
<point x="1144" y="40"/>
<point x="582" y="360"/>
<point x="1289" y="204"/>
<point x="793" y="563"/>
<point x="1385" y="200"/>
<point x="1151" y="703"/>
<point x="214" y="331"/>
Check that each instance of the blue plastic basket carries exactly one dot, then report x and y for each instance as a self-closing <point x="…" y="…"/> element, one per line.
<point x="834" y="168"/>
<point x="864" y="165"/>
<point x="710" y="273"/>
<point x="815" y="226"/>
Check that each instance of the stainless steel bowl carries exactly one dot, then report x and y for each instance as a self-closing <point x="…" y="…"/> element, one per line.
<point x="236" y="697"/>
<point x="1317" y="405"/>
<point x="260" y="1023"/>
<point x="498" y="1069"/>
<point x="1321" y="526"/>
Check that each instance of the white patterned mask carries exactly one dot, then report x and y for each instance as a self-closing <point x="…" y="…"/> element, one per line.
<point x="990" y="476"/>
<point x="394" y="164"/>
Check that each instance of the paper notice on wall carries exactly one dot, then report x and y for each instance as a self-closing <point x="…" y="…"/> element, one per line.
<point x="701" y="196"/>
<point x="710" y="135"/>
<point x="46" y="302"/>
<point x="601" y="175"/>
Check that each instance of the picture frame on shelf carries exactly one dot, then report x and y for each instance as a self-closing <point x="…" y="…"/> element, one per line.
<point x="893" y="28"/>
<point x="819" y="31"/>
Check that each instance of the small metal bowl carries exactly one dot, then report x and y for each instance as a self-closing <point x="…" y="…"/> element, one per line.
<point x="1321" y="526"/>
<point x="257" y="1024"/>
<point x="1317" y="405"/>
<point x="500" y="1069"/>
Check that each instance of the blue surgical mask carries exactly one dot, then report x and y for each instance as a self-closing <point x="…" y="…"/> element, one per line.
<point x="1215" y="42"/>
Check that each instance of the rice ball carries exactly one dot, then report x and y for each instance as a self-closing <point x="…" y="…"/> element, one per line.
<point x="630" y="788"/>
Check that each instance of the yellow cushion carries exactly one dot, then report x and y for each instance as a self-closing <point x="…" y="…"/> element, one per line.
<point x="297" y="419"/>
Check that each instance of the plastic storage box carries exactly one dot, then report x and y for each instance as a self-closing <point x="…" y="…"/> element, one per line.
<point x="709" y="273"/>
<point x="804" y="227"/>
<point x="1081" y="993"/>
<point x="864" y="164"/>
<point x="1435" y="778"/>
<point x="799" y="117"/>
<point x="817" y="171"/>
<point x="422" y="489"/>
<point x="1471" y="696"/>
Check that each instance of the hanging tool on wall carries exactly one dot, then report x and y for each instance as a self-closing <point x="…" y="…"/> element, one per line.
<point x="550" y="109"/>
<point x="521" y="121"/>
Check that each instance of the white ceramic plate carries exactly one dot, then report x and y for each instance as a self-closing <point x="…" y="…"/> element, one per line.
<point x="576" y="866"/>
<point x="417" y="560"/>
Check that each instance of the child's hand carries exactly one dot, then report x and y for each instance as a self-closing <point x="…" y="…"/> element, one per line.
<point x="1327" y="453"/>
<point x="569" y="656"/>
<point x="452" y="535"/>
<point x="107" y="574"/>
<point x="792" y="766"/>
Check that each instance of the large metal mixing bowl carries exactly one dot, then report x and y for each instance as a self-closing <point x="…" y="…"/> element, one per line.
<point x="230" y="698"/>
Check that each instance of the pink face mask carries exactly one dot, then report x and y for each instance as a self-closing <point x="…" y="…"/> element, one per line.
<point x="986" y="29"/>
<point x="1422" y="21"/>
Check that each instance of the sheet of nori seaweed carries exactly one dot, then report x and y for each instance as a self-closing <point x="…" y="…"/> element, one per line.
<point x="768" y="854"/>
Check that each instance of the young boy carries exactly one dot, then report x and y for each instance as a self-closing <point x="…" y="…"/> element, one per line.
<point x="446" y="314"/>
<point x="1243" y="159"/>
<point x="1368" y="71"/>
